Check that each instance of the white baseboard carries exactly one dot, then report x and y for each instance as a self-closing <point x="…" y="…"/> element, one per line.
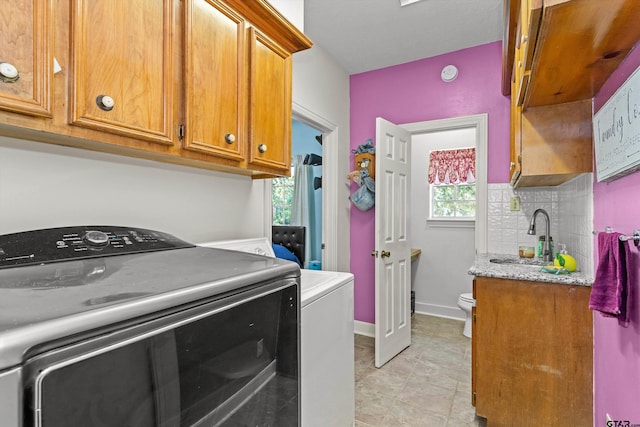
<point x="440" y="311"/>
<point x="364" y="328"/>
<point x="369" y="329"/>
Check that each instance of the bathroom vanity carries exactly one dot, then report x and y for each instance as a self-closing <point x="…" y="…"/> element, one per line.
<point x="532" y="347"/>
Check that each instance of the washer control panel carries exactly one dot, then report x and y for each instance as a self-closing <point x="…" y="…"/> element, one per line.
<point x="69" y="243"/>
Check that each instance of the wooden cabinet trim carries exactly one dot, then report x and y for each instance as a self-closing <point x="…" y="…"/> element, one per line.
<point x="270" y="22"/>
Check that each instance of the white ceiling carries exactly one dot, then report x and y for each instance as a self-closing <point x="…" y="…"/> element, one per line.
<point x="364" y="35"/>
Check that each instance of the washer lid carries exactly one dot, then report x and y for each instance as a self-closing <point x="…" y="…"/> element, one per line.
<point x="50" y="301"/>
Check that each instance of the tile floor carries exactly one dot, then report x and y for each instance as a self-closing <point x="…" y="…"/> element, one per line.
<point x="428" y="384"/>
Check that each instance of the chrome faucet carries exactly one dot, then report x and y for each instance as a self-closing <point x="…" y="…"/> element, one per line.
<point x="546" y="247"/>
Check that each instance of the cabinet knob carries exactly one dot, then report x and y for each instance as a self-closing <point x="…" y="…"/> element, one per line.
<point x="105" y="102"/>
<point x="229" y="138"/>
<point x="262" y="148"/>
<point x="512" y="165"/>
<point x="8" y="72"/>
<point x="524" y="39"/>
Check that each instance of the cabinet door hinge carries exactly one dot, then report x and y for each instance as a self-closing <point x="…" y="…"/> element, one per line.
<point x="474" y="318"/>
<point x="473" y="399"/>
<point x="180" y="131"/>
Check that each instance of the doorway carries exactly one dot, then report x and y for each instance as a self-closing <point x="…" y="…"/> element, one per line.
<point x="297" y="199"/>
<point x="446" y="245"/>
<point x="330" y="183"/>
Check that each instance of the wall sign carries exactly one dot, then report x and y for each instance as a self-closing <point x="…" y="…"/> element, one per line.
<point x="616" y="132"/>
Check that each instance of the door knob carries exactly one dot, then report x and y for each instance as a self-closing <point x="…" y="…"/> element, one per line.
<point x="105" y="102"/>
<point x="8" y="72"/>
<point x="385" y="254"/>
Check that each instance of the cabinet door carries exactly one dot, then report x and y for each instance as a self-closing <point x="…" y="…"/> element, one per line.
<point x="533" y="358"/>
<point x="122" y="67"/>
<point x="530" y="14"/>
<point x="269" y="105"/>
<point x="25" y="57"/>
<point x="215" y="76"/>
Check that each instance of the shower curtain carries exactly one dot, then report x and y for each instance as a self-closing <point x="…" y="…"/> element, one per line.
<point x="303" y="211"/>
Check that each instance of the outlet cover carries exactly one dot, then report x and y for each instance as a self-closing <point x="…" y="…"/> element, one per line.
<point x="514" y="203"/>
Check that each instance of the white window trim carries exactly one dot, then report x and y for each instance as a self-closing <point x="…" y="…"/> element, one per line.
<point x="451" y="223"/>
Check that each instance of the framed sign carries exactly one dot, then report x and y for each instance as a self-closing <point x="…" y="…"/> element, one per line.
<point x="616" y="132"/>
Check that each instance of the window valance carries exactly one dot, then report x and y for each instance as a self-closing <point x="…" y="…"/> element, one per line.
<point x="456" y="166"/>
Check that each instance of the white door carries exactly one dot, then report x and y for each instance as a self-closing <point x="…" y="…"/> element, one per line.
<point x="393" y="254"/>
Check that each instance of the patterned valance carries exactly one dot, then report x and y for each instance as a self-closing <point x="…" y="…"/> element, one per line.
<point x="457" y="166"/>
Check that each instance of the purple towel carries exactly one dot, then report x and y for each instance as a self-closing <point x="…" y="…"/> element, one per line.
<point x="610" y="287"/>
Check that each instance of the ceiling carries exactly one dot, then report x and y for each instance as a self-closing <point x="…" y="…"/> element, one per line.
<point x="364" y="35"/>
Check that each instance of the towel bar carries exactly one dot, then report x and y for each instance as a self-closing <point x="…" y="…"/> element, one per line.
<point x="635" y="237"/>
<point x="623" y="238"/>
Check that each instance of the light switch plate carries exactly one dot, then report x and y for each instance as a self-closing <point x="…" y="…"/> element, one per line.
<point x="514" y="203"/>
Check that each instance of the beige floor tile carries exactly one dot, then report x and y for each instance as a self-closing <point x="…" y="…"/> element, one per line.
<point x="427" y="384"/>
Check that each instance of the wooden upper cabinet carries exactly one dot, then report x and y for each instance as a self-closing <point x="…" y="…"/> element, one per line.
<point x="269" y="104"/>
<point x="580" y="43"/>
<point x="122" y="75"/>
<point x="555" y="143"/>
<point x="25" y="57"/>
<point x="202" y="83"/>
<point x="215" y="80"/>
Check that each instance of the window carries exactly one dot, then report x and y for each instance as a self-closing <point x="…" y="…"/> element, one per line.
<point x="451" y="178"/>
<point x="282" y="199"/>
<point x="449" y="201"/>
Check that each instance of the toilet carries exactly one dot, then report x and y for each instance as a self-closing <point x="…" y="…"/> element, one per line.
<point x="466" y="302"/>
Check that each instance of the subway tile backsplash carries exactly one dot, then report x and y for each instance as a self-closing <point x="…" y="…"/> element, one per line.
<point x="570" y="208"/>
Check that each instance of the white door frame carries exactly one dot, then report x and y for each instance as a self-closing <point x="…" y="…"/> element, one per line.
<point x="330" y="184"/>
<point x="480" y="123"/>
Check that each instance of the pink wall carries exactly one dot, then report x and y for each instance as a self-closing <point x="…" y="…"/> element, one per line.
<point x="414" y="92"/>
<point x="617" y="349"/>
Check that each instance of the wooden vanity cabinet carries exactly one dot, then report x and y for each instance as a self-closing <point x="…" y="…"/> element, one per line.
<point x="532" y="353"/>
<point x="25" y="57"/>
<point x="203" y="83"/>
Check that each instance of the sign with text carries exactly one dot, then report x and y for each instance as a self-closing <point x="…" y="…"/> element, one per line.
<point x="616" y="132"/>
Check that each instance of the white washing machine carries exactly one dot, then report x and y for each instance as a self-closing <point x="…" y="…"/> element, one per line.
<point x="327" y="365"/>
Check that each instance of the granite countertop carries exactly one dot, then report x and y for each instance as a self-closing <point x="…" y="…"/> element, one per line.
<point x="483" y="267"/>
